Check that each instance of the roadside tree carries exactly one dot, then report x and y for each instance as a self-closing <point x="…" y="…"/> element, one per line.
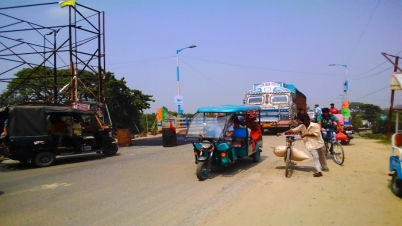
<point x="125" y="105"/>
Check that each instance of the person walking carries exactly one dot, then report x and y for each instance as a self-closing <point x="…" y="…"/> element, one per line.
<point x="312" y="139"/>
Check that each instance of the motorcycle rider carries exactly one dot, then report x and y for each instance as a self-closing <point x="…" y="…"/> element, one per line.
<point x="333" y="109"/>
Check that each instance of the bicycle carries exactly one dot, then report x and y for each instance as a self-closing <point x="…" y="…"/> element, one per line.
<point x="290" y="139"/>
<point x="333" y="147"/>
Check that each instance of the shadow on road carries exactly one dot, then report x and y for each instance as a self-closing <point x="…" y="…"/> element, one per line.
<point x="297" y="168"/>
<point x="157" y="141"/>
<point x="10" y="166"/>
<point x="240" y="166"/>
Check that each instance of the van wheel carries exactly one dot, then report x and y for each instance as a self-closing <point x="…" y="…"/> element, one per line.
<point x="111" y="150"/>
<point x="43" y="159"/>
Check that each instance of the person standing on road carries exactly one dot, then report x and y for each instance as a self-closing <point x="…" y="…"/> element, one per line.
<point x="312" y="139"/>
<point x="317" y="112"/>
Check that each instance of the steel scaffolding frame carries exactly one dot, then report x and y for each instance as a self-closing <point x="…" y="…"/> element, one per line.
<point x="87" y="53"/>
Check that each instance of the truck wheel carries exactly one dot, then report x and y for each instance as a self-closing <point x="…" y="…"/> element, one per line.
<point x="111" y="150"/>
<point x="43" y="159"/>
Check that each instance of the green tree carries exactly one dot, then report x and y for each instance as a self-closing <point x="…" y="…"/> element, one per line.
<point x="356" y="120"/>
<point x="37" y="84"/>
<point x="148" y="120"/>
<point x="367" y="111"/>
<point x="125" y="105"/>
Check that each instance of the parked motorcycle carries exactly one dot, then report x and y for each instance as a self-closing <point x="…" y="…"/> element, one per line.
<point x="348" y="131"/>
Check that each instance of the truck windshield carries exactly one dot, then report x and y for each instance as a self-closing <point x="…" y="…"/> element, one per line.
<point x="278" y="99"/>
<point x="255" y="100"/>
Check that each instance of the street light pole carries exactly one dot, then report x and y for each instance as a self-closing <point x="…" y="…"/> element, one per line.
<point x="346" y="84"/>
<point x="345" y="111"/>
<point x="178" y="99"/>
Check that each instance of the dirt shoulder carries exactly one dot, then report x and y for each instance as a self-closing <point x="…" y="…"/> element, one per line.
<point x="356" y="193"/>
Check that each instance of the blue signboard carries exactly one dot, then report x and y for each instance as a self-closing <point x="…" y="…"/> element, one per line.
<point x="178" y="100"/>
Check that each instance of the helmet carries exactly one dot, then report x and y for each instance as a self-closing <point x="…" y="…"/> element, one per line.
<point x="334" y="111"/>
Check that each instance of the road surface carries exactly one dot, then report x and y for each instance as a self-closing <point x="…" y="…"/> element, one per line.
<point x="147" y="184"/>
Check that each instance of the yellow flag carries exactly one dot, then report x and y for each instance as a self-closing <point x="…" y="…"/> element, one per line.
<point x="67" y="3"/>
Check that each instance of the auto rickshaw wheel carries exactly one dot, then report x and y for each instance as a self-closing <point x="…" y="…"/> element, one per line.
<point x="202" y="170"/>
<point x="111" y="150"/>
<point x="45" y="158"/>
<point x="396" y="185"/>
<point x="257" y="155"/>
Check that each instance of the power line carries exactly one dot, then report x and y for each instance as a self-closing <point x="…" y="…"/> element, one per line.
<point x="225" y="88"/>
<point x="371" y="93"/>
<point x="364" y="30"/>
<point x="140" y="61"/>
<point x="375" y="67"/>
<point x="245" y="66"/>
<point x="372" y="74"/>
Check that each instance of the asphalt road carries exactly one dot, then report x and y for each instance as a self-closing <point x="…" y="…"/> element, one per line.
<point x="145" y="184"/>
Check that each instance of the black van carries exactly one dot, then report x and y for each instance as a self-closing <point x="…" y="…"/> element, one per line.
<point x="29" y="139"/>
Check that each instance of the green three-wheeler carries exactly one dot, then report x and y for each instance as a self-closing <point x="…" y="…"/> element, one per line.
<point x="222" y="134"/>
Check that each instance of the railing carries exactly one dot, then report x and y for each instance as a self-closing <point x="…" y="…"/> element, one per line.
<point x="178" y="123"/>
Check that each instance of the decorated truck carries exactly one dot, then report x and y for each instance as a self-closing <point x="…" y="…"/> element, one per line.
<point x="279" y="103"/>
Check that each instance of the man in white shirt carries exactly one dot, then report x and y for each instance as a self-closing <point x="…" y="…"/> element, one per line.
<point x="311" y="134"/>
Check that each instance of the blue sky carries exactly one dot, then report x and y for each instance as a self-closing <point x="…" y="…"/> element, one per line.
<point x="240" y="43"/>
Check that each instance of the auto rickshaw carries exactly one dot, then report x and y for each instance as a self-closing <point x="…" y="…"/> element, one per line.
<point x="223" y="134"/>
<point x="395" y="159"/>
<point x="30" y="140"/>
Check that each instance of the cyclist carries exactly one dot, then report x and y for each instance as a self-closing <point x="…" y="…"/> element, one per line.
<point x="310" y="132"/>
<point x="327" y="123"/>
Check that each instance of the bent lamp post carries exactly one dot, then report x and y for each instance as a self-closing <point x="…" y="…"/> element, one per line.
<point x="178" y="98"/>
